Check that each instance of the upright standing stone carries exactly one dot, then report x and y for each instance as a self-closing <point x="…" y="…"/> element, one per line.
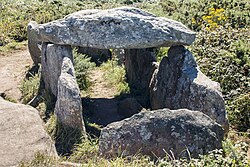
<point x="139" y="65"/>
<point x="52" y="57"/>
<point x="33" y="43"/>
<point x="178" y="83"/>
<point x="119" y="54"/>
<point x="68" y="107"/>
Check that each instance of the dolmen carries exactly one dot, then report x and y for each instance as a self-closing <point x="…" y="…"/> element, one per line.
<point x="188" y="117"/>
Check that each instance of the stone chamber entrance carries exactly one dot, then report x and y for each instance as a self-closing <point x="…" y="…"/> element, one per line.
<point x="184" y="101"/>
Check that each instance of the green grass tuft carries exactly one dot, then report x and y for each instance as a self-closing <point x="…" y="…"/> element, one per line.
<point x="29" y="88"/>
<point x="116" y="76"/>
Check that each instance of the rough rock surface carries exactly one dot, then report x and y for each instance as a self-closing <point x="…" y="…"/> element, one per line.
<point x="22" y="134"/>
<point x="52" y="57"/>
<point x="140" y="65"/>
<point x="124" y="27"/>
<point x="154" y="132"/>
<point x="33" y="44"/>
<point x="178" y="83"/>
<point x="128" y="107"/>
<point x="68" y="109"/>
<point x="119" y="54"/>
<point x="97" y="55"/>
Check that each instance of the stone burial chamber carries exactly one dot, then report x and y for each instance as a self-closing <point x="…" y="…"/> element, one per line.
<point x="176" y="83"/>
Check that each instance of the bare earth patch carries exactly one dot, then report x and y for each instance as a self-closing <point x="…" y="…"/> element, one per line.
<point x="99" y="85"/>
<point x="102" y="102"/>
<point x="13" y="66"/>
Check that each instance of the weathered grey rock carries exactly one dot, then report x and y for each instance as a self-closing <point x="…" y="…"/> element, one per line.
<point x="140" y="65"/>
<point x="178" y="83"/>
<point x="34" y="45"/>
<point x="22" y="134"/>
<point x="119" y="54"/>
<point x="52" y="57"/>
<point x="97" y="55"/>
<point x="154" y="132"/>
<point x="128" y="107"/>
<point x="68" y="109"/>
<point x="124" y="27"/>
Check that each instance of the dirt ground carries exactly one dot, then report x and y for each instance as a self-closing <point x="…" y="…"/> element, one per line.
<point x="13" y="66"/>
<point x="102" y="102"/>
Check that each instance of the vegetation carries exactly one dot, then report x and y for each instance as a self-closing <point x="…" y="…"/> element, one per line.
<point x="222" y="49"/>
<point x="115" y="75"/>
<point x="223" y="55"/>
<point x="86" y="153"/>
<point x="82" y="67"/>
<point x="29" y="88"/>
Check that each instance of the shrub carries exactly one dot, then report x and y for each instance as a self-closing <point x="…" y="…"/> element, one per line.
<point x="239" y="112"/>
<point x="82" y="67"/>
<point x="16" y="14"/>
<point x="223" y="55"/>
<point x="207" y="13"/>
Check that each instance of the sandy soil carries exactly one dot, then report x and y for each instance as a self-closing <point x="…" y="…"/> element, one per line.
<point x="13" y="67"/>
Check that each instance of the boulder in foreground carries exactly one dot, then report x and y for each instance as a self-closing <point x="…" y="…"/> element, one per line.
<point x="157" y="132"/>
<point x="22" y="134"/>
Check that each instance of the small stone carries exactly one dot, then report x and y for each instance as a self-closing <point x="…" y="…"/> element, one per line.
<point x="96" y="55"/>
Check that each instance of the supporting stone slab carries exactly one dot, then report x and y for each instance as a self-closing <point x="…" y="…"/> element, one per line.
<point x="33" y="43"/>
<point x="140" y="65"/>
<point x="52" y="57"/>
<point x="68" y="107"/>
<point x="178" y="83"/>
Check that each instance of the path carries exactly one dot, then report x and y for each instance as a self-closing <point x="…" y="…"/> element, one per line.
<point x="12" y="71"/>
<point x="102" y="102"/>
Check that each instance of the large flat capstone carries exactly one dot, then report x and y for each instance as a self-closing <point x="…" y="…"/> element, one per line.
<point x="124" y="27"/>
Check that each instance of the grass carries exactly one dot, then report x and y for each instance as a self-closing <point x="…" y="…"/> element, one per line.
<point x="12" y="46"/>
<point x="29" y="88"/>
<point x="86" y="153"/>
<point x="115" y="75"/>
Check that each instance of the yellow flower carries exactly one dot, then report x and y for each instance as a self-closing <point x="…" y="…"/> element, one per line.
<point x="220" y="10"/>
<point x="211" y="9"/>
<point x="193" y="21"/>
<point x="210" y="21"/>
<point x="209" y="17"/>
